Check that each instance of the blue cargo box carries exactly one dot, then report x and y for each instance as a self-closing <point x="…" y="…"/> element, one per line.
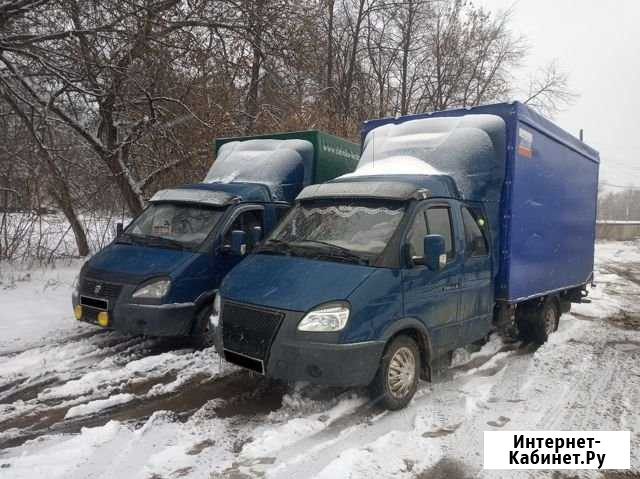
<point x="541" y="197"/>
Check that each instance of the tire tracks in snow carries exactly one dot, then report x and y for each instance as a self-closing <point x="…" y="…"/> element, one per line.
<point x="364" y="425"/>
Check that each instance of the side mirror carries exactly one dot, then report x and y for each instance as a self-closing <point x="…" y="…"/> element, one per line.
<point x="435" y="257"/>
<point x="238" y="242"/>
<point x="256" y="234"/>
<point x="119" y="229"/>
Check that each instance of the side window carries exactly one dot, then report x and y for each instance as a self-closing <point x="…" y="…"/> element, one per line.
<point x="416" y="235"/>
<point x="245" y="221"/>
<point x="475" y="240"/>
<point x="281" y="212"/>
<point x="439" y="223"/>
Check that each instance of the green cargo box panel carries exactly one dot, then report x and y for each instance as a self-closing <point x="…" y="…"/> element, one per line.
<point x="333" y="156"/>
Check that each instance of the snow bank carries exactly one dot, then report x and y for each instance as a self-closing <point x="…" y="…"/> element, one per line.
<point x="397" y="454"/>
<point x="101" y="380"/>
<point x="58" y="457"/>
<point x="36" y="304"/>
<point x="270" y="438"/>
<point x="98" y="405"/>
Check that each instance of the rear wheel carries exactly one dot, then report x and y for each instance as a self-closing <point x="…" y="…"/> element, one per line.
<point x="396" y="381"/>
<point x="537" y="324"/>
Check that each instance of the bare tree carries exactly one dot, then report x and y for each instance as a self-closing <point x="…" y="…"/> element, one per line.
<point x="58" y="186"/>
<point x="103" y="69"/>
<point x="382" y="54"/>
<point x="117" y="98"/>
<point x="549" y="90"/>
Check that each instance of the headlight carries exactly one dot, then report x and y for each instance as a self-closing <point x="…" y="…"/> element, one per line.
<point x="216" y="304"/>
<point x="157" y="289"/>
<point x="326" y="317"/>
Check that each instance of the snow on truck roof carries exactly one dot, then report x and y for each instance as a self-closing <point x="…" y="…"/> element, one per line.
<point x="192" y="195"/>
<point x="278" y="164"/>
<point x="468" y="149"/>
<point x="393" y="190"/>
<point x="509" y="112"/>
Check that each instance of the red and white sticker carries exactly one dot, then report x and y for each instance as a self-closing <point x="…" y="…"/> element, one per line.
<point x="525" y="143"/>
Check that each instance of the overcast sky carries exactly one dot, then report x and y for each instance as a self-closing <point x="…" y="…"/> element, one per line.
<point x="598" y="43"/>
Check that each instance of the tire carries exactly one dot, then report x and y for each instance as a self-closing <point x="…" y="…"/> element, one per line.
<point x="565" y="307"/>
<point x="537" y="323"/>
<point x="396" y="381"/>
<point x="203" y="335"/>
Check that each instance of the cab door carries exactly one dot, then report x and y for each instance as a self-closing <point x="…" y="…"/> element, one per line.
<point x="476" y="306"/>
<point x="434" y="296"/>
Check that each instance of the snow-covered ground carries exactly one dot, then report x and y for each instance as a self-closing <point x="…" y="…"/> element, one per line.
<point x="35" y="303"/>
<point x="78" y="402"/>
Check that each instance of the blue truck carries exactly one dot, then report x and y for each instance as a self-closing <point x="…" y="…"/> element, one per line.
<point x="159" y="276"/>
<point x="455" y="224"/>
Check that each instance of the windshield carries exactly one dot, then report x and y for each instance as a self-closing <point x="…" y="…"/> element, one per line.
<point x="174" y="224"/>
<point x="361" y="227"/>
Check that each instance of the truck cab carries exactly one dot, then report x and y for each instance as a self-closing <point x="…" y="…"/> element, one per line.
<point x="160" y="274"/>
<point x="374" y="277"/>
<point x="354" y="264"/>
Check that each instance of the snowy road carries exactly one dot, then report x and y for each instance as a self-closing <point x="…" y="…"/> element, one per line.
<point x="77" y="402"/>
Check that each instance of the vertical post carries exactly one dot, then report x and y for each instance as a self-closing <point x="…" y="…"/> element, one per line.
<point x="581" y="134"/>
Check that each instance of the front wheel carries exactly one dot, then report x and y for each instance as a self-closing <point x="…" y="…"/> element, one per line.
<point x="203" y="334"/>
<point x="396" y="381"/>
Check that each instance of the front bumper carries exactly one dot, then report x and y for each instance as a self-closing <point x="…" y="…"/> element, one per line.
<point x="143" y="319"/>
<point x="291" y="355"/>
<point x="154" y="320"/>
<point x="352" y="364"/>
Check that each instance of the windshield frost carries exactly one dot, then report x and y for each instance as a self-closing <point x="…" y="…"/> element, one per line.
<point x="188" y="224"/>
<point x="359" y="226"/>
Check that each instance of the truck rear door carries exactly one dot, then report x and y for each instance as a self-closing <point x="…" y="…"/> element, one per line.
<point x="433" y="296"/>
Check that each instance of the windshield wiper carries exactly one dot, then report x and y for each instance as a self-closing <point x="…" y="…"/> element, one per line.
<point x="338" y="252"/>
<point x="129" y="238"/>
<point x="274" y="246"/>
<point x="123" y="239"/>
<point x="159" y="241"/>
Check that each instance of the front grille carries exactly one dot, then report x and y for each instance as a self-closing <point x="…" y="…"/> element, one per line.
<point x="248" y="330"/>
<point x="100" y="289"/>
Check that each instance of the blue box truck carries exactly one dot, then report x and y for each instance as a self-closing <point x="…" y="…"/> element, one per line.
<point x="158" y="277"/>
<point x="454" y="224"/>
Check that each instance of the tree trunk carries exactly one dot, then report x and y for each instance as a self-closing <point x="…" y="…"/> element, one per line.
<point x="406" y="46"/>
<point x="126" y="184"/>
<point x="116" y="156"/>
<point x="346" y="94"/>
<point x="61" y="194"/>
<point x="329" y="93"/>
<point x="251" y="103"/>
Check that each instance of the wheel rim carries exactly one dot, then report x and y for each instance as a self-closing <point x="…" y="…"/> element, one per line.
<point x="549" y="321"/>
<point x="401" y="372"/>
